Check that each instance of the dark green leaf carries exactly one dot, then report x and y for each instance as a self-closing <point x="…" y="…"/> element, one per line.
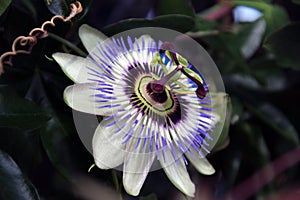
<point x="181" y="23"/>
<point x="237" y="109"/>
<point x="183" y="7"/>
<point x="296" y="1"/>
<point x="275" y="16"/>
<point x="266" y="113"/>
<point x="58" y="7"/>
<point x="223" y="139"/>
<point x="13" y="184"/>
<point x="62" y="7"/>
<point x="30" y="8"/>
<point x="3" y="5"/>
<point x="262" y="80"/>
<point x="201" y="24"/>
<point x="276" y="120"/>
<point x="13" y="141"/>
<point x="149" y="197"/>
<point x="18" y="112"/>
<point x="285" y="44"/>
<point x="53" y="138"/>
<point x="254" y="142"/>
<point x="242" y="42"/>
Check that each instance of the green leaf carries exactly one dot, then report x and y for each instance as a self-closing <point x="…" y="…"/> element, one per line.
<point x="58" y="7"/>
<point x="234" y="46"/>
<point x="253" y="39"/>
<point x="223" y="139"/>
<point x="296" y="1"/>
<point x="266" y="113"/>
<point x="255" y="144"/>
<point x="275" y="16"/>
<point x="18" y="112"/>
<point x="62" y="7"/>
<point x="237" y="109"/>
<point x="285" y="44"/>
<point x="13" y="184"/>
<point x="271" y="116"/>
<point x="183" y="7"/>
<point x="13" y="141"/>
<point x="3" y="5"/>
<point x="53" y="138"/>
<point x="151" y="196"/>
<point x="202" y="24"/>
<point x="181" y="23"/>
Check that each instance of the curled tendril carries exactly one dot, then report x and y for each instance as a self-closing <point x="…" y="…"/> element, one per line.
<point x="36" y="34"/>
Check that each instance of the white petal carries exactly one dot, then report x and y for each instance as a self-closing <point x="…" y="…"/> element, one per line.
<point x="141" y="163"/>
<point x="143" y="48"/>
<point x="136" y="164"/>
<point x="133" y="182"/>
<point x="108" y="150"/>
<point x="177" y="173"/>
<point x="90" y="37"/>
<point x="201" y="164"/>
<point x="82" y="97"/>
<point x="75" y="67"/>
<point x="97" y="43"/>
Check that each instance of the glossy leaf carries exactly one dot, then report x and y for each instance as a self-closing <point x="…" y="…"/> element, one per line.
<point x="13" y="184"/>
<point x="275" y="16"/>
<point x="254" y="39"/>
<point x="53" y="139"/>
<point x="176" y="22"/>
<point x="237" y="110"/>
<point x="183" y="7"/>
<point x="149" y="197"/>
<point x="224" y="139"/>
<point x="62" y="7"/>
<point x="254" y="142"/>
<point x="233" y="44"/>
<point x="202" y="24"/>
<point x="296" y="1"/>
<point x="3" y="5"/>
<point x="271" y="116"/>
<point x="13" y="141"/>
<point x="266" y="113"/>
<point x="18" y="112"/>
<point x="58" y="7"/>
<point x="285" y="44"/>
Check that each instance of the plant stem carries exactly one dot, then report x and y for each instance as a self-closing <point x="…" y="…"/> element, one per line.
<point x="259" y="179"/>
<point x="116" y="182"/>
<point x="68" y="44"/>
<point x="203" y="33"/>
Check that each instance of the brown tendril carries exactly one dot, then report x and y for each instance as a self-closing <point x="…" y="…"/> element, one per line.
<point x="36" y="34"/>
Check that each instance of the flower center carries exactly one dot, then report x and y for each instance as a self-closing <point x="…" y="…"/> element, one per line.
<point x="156" y="101"/>
<point x="158" y="85"/>
<point x="155" y="95"/>
<point x="157" y="92"/>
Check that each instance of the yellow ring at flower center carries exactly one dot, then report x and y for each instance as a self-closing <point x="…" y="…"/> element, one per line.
<point x="164" y="108"/>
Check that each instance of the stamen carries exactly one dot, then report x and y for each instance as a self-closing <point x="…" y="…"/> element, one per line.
<point x="158" y="85"/>
<point x="200" y="92"/>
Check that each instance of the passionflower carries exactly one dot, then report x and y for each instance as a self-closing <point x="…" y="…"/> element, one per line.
<point x="156" y="108"/>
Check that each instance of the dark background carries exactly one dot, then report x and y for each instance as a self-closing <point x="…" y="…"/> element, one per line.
<point x="42" y="157"/>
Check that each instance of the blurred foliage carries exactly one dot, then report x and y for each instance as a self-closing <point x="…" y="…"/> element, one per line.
<point x="4" y="5"/>
<point x="62" y="7"/>
<point x="40" y="149"/>
<point x="185" y="23"/>
<point x="14" y="185"/>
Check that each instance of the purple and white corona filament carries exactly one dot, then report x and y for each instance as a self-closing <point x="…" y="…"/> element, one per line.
<point x="154" y="106"/>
